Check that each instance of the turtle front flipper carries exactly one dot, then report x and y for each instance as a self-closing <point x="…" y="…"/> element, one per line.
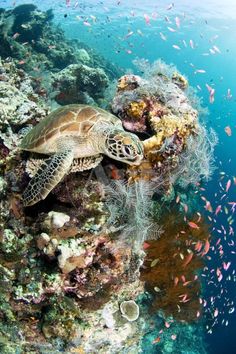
<point x="47" y="177"/>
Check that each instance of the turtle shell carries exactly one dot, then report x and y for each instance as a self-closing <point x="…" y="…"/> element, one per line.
<point x="71" y="120"/>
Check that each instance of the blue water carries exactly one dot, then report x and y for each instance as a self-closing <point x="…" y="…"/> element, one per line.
<point x="207" y="25"/>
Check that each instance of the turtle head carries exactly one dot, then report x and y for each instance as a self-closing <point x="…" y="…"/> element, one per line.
<point x="124" y="146"/>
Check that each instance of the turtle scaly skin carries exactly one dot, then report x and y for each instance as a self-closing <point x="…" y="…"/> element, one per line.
<point x="76" y="133"/>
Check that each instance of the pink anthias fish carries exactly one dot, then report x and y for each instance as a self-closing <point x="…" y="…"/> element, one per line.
<point x="86" y="23"/>
<point x="16" y="35"/>
<point x="211" y="91"/>
<point x="229" y="95"/>
<point x="188" y="259"/>
<point x="191" y="43"/>
<point x="129" y="34"/>
<point x="169" y="7"/>
<point x="193" y="225"/>
<point x="171" y="29"/>
<point x="167" y="19"/>
<point x="228" y="130"/>
<point x="218" y="209"/>
<point x="216" y="49"/>
<point x="216" y="312"/>
<point x="212" y="51"/>
<point x="228" y="184"/>
<point x="199" y="71"/>
<point x="206" y="248"/>
<point x="226" y="265"/>
<point x="163" y="37"/>
<point x="208" y="206"/>
<point x="176" y="47"/>
<point x="177" y="22"/>
<point x="147" y="19"/>
<point x="67" y="3"/>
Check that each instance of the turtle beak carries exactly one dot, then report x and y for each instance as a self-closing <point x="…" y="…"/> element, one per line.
<point x="138" y="160"/>
<point x="135" y="161"/>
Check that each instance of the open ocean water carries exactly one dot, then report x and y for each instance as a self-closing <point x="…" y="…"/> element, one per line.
<point x="198" y="37"/>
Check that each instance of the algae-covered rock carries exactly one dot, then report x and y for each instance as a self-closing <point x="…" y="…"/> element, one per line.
<point x="83" y="56"/>
<point x="79" y="83"/>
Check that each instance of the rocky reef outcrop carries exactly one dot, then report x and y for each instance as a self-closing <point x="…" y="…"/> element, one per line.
<point x="36" y="45"/>
<point x="157" y="107"/>
<point x="80" y="83"/>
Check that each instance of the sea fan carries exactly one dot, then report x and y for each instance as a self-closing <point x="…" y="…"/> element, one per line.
<point x="196" y="163"/>
<point x="130" y="208"/>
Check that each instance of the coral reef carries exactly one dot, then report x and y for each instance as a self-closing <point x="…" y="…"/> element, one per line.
<point x="157" y="105"/>
<point x="70" y="266"/>
<point x="79" y="83"/>
<point x="26" y="107"/>
<point x="40" y="48"/>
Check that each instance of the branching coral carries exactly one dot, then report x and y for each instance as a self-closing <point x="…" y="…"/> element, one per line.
<point x="172" y="266"/>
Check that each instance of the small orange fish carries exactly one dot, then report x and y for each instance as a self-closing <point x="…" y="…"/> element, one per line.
<point x="188" y="259"/>
<point x="198" y="246"/>
<point x="156" y="340"/>
<point x="208" y="206"/>
<point x="146" y="245"/>
<point x="193" y="225"/>
<point x="176" y="280"/>
<point x="206" y="248"/>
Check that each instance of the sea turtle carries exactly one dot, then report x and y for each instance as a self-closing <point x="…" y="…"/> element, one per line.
<point x="76" y="137"/>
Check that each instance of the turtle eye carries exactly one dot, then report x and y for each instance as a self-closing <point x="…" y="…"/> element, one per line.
<point x="128" y="150"/>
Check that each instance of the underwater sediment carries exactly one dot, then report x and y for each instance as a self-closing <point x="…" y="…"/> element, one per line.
<point x="70" y="265"/>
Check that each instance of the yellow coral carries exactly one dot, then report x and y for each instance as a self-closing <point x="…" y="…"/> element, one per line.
<point x="122" y="83"/>
<point x="136" y="109"/>
<point x="163" y="127"/>
<point x="169" y="124"/>
<point x="180" y="80"/>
